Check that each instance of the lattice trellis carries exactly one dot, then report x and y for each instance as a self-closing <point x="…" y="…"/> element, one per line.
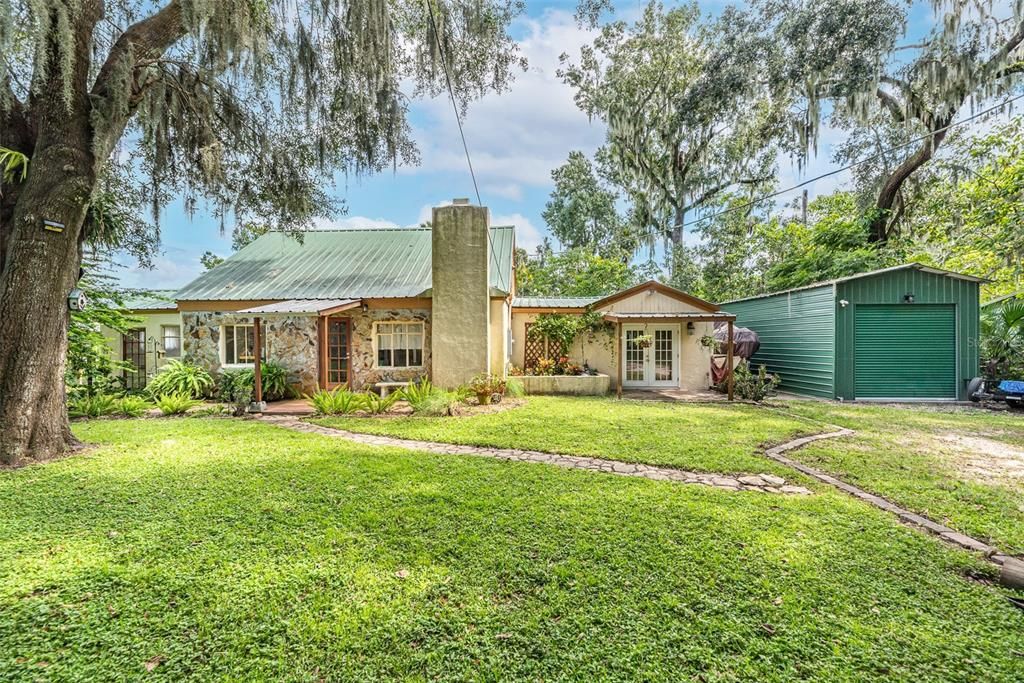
<point x="540" y="347"/>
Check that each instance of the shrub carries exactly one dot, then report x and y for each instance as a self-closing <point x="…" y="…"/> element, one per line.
<point x="180" y="377"/>
<point x="93" y="406"/>
<point x="440" y="403"/>
<point x="132" y="406"/>
<point x="416" y="393"/>
<point x="485" y="386"/>
<point x="376" y="404"/>
<point x="274" y="380"/>
<point x="339" y="401"/>
<point x="545" y="366"/>
<point x="176" y="404"/>
<point x="236" y="387"/>
<point x="514" y="388"/>
<point x="751" y="386"/>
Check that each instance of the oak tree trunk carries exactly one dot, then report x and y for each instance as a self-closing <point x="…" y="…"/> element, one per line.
<point x="40" y="267"/>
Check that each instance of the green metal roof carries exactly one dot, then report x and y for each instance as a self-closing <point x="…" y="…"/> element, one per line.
<point x="871" y="273"/>
<point x="333" y="264"/>
<point x="554" y="301"/>
<point x="149" y="300"/>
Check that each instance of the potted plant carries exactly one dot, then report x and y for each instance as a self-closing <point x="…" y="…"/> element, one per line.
<point x="486" y="387"/>
<point x="643" y="341"/>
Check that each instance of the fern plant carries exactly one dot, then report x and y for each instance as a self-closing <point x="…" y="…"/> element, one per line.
<point x="132" y="406"/>
<point x="418" y="393"/>
<point x="177" y="403"/>
<point x="97" y="405"/>
<point x="180" y="377"/>
<point x="273" y="380"/>
<point x="375" y="404"/>
<point x="339" y="401"/>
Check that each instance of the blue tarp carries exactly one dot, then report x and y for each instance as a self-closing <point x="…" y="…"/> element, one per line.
<point x="1011" y="386"/>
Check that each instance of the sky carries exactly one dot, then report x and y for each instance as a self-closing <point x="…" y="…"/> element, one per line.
<point x="515" y="139"/>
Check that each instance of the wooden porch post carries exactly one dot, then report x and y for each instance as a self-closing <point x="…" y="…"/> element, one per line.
<point x="620" y="351"/>
<point x="728" y="360"/>
<point x="258" y="362"/>
<point x="321" y="354"/>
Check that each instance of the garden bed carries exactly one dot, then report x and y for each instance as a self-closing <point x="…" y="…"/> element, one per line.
<point x="575" y="385"/>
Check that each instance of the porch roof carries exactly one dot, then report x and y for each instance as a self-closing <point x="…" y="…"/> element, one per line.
<point x="627" y="317"/>
<point x="304" y="307"/>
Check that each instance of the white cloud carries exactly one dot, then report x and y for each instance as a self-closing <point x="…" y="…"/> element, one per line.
<point x="167" y="273"/>
<point x="353" y="223"/>
<point x="513" y="191"/>
<point x="515" y="138"/>
<point x="527" y="234"/>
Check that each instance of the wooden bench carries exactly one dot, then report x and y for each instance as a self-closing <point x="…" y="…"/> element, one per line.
<point x="387" y="387"/>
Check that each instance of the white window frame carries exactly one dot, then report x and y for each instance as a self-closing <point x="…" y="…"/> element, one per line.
<point x="376" y="344"/>
<point x="163" y="339"/>
<point x="224" y="345"/>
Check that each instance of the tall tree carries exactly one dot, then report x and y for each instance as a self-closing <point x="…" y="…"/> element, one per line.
<point x="582" y="211"/>
<point x="247" y="104"/>
<point x="857" y="56"/>
<point x="689" y="112"/>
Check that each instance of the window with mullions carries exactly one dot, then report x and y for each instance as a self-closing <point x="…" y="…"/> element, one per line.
<point x="399" y="345"/>
<point x="239" y="345"/>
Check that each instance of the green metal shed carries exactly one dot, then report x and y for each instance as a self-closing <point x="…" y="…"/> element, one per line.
<point x="903" y="333"/>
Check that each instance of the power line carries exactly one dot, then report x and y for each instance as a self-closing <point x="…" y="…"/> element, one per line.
<point x="853" y="165"/>
<point x="451" y="93"/>
<point x="458" y="119"/>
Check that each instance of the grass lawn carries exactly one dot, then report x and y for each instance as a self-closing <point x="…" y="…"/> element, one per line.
<point x="220" y="549"/>
<point x="962" y="466"/>
<point x="692" y="436"/>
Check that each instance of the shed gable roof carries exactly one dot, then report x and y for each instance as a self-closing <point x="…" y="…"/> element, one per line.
<point x="871" y="273"/>
<point x="333" y="264"/>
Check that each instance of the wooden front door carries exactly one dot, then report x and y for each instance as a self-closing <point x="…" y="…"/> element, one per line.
<point x="133" y="350"/>
<point x="336" y="351"/>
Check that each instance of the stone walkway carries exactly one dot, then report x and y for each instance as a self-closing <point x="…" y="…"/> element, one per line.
<point x="765" y="483"/>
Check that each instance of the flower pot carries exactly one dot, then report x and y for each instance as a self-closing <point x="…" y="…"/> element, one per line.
<point x="484" y="398"/>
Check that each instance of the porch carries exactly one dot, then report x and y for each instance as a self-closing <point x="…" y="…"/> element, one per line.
<point x="662" y="355"/>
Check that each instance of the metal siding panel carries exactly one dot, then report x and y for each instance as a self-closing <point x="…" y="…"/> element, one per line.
<point x="797" y="331"/>
<point x="905" y="351"/>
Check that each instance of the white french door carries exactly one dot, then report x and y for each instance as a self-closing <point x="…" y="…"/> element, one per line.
<point x="653" y="365"/>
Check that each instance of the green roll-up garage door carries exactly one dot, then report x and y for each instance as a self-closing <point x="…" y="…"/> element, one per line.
<point x="905" y="351"/>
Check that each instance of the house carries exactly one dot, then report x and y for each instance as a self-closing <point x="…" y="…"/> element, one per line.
<point x="903" y="333"/>
<point x="363" y="308"/>
<point x="678" y="325"/>
<point x="359" y="308"/>
<point x="152" y="341"/>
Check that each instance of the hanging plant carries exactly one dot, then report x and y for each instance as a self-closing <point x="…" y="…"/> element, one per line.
<point x="708" y="341"/>
<point x="643" y="341"/>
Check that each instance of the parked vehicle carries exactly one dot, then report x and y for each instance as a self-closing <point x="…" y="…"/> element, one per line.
<point x="1010" y="392"/>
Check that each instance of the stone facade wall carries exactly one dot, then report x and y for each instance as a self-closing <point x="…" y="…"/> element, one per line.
<point x="364" y="370"/>
<point x="292" y="342"/>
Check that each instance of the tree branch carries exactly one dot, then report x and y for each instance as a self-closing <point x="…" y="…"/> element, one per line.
<point x="142" y="42"/>
<point x="892" y="104"/>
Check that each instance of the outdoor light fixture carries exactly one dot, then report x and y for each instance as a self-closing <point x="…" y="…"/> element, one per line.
<point x="844" y="303"/>
<point x="365" y="307"/>
<point x="908" y="298"/>
<point x="690" y="329"/>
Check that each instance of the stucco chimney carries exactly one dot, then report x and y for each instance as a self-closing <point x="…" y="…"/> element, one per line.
<point x="460" y="317"/>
